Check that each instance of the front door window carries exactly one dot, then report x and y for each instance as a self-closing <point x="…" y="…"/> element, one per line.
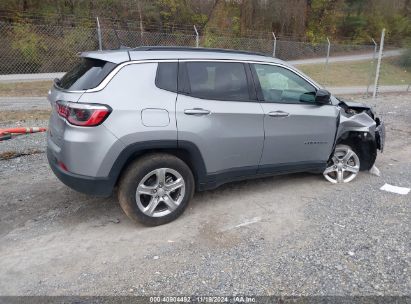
<point x="281" y="85"/>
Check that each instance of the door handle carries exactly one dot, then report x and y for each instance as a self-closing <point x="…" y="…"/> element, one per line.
<point x="197" y="112"/>
<point x="278" y="114"/>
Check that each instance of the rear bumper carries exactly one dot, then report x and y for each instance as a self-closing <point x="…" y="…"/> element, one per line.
<point x="86" y="184"/>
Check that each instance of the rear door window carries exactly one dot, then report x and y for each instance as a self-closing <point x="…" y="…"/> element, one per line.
<point x="218" y="81"/>
<point x="166" y="77"/>
<point x="87" y="74"/>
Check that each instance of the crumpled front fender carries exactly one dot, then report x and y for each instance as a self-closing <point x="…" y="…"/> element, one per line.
<point x="361" y="122"/>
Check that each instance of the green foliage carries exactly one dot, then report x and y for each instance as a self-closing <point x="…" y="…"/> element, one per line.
<point x="200" y="19"/>
<point x="74" y="41"/>
<point x="398" y="27"/>
<point x="323" y="22"/>
<point x="358" y="20"/>
<point x="28" y="43"/>
<point x="355" y="20"/>
<point x="175" y="13"/>
<point x="209" y="40"/>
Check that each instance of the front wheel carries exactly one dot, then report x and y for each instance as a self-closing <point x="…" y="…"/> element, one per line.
<point x="156" y="189"/>
<point x="343" y="166"/>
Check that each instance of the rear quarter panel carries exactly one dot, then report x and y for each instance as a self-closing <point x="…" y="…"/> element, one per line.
<point x="131" y="93"/>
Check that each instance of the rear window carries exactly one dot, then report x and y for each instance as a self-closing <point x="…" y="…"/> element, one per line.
<point x="87" y="74"/>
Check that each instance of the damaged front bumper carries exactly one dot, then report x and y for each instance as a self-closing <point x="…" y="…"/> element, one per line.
<point x="358" y="117"/>
<point x="380" y="134"/>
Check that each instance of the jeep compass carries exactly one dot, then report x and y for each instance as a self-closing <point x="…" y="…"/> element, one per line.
<point x="156" y="124"/>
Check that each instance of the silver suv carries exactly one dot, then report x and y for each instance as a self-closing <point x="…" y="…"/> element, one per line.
<point x="156" y="124"/>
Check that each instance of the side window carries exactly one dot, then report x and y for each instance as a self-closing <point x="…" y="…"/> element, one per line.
<point x="218" y="80"/>
<point x="282" y="85"/>
<point x="166" y="77"/>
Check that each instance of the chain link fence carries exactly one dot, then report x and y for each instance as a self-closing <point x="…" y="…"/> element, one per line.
<point x="39" y="52"/>
<point x="396" y="71"/>
<point x="113" y="39"/>
<point x="41" y="48"/>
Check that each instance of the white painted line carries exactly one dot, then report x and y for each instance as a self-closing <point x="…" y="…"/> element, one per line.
<point x="395" y="189"/>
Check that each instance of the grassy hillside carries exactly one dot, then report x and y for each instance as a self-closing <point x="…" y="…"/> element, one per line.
<point x="357" y="73"/>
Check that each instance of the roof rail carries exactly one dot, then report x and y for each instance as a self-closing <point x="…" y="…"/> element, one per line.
<point x="192" y="49"/>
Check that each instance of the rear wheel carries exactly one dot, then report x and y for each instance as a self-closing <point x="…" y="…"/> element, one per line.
<point x="343" y="166"/>
<point x="156" y="189"/>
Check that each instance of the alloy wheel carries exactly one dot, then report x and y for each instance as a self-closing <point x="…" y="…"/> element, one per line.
<point x="343" y="166"/>
<point x="160" y="192"/>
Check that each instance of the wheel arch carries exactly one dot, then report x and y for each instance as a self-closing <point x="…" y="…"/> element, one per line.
<point x="364" y="145"/>
<point x="186" y="151"/>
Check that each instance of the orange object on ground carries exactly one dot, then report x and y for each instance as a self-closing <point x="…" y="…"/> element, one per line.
<point x="22" y="130"/>
<point x="6" y="134"/>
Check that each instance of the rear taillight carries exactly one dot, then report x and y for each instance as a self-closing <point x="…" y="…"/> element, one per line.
<point x="82" y="114"/>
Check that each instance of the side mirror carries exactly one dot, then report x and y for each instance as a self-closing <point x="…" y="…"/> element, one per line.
<point x="323" y="96"/>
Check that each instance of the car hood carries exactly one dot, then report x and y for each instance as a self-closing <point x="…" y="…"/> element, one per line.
<point x="354" y="104"/>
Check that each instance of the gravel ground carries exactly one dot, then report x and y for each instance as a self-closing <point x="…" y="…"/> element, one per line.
<point x="285" y="235"/>
<point x="24" y="143"/>
<point x="24" y="103"/>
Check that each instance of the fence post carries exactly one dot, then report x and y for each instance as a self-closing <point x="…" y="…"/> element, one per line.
<point x="100" y="43"/>
<point x="274" y="44"/>
<point x="372" y="67"/>
<point x="197" y="37"/>
<point x="377" y="72"/>
<point x="141" y="35"/>
<point x="327" y="59"/>
<point x="375" y="49"/>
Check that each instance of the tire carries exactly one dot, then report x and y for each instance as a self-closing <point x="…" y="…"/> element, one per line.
<point x="343" y="166"/>
<point x="367" y="154"/>
<point x="145" y="191"/>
